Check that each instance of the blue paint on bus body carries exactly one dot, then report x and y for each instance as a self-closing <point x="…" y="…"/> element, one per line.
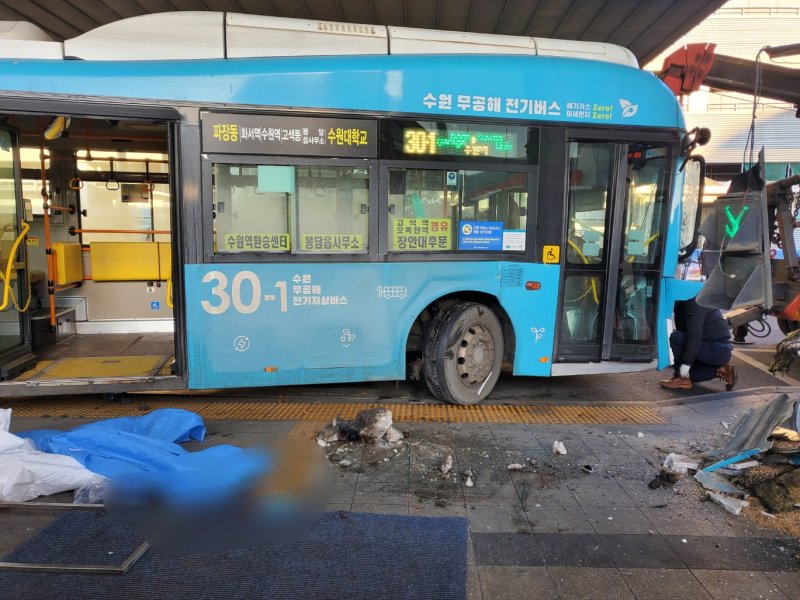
<point x="345" y="322"/>
<point x="502" y="87"/>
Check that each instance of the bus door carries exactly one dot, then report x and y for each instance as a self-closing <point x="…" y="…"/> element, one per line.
<point x="15" y="344"/>
<point x="616" y="209"/>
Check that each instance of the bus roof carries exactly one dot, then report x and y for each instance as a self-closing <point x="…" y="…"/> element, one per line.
<point x="208" y="34"/>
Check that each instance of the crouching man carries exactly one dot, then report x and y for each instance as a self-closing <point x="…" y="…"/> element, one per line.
<point x="701" y="345"/>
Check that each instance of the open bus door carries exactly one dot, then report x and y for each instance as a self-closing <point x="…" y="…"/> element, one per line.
<point x="615" y="228"/>
<point x="15" y="326"/>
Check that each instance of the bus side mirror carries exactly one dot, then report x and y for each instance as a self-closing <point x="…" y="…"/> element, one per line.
<point x="694" y="174"/>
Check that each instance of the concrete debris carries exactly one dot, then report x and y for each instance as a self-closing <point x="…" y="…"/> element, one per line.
<point x="446" y="465"/>
<point x="559" y="448"/>
<point x="725" y="425"/>
<point x="329" y="434"/>
<point x="468" y="474"/>
<point x="680" y="463"/>
<point x="371" y="425"/>
<point x="374" y="423"/>
<point x="748" y="464"/>
<point x="770" y="515"/>
<point x="515" y="467"/>
<point x="344" y="463"/>
<point x="393" y="435"/>
<point x="640" y="435"/>
<point x="732" y="505"/>
<point x="665" y="478"/>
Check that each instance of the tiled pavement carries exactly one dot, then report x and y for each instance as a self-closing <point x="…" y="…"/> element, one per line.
<point x="555" y="530"/>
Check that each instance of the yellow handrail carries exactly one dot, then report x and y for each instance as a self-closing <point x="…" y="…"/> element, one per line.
<point x="169" y="290"/>
<point x="586" y="262"/>
<point x="7" y="272"/>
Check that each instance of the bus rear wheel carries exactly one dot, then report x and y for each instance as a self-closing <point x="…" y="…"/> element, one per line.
<point x="464" y="353"/>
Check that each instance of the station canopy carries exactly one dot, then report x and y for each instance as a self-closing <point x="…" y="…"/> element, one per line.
<point x="646" y="27"/>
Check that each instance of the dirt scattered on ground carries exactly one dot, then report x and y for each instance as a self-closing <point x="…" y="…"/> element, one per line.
<point x="788" y="522"/>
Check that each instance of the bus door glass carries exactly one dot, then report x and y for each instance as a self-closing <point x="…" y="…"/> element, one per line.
<point x="14" y="328"/>
<point x="614" y="237"/>
<point x="633" y="327"/>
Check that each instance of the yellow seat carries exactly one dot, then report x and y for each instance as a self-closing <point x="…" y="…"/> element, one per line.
<point x="125" y="261"/>
<point x="69" y="264"/>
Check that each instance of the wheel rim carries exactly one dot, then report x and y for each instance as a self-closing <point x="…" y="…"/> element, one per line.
<point x="475" y="355"/>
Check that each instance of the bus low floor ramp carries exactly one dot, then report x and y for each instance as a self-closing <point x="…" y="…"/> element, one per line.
<point x="342" y="555"/>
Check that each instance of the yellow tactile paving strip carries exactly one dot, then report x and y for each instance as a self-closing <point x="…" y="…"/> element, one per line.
<point x="325" y="411"/>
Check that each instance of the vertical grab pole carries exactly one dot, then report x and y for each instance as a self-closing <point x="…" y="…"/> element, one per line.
<point x="48" y="248"/>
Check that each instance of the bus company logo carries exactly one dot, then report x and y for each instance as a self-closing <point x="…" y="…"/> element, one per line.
<point x="538" y="333"/>
<point x="347" y="338"/>
<point x="389" y="292"/>
<point x="241" y="343"/>
<point x="628" y="108"/>
<point x="466" y="229"/>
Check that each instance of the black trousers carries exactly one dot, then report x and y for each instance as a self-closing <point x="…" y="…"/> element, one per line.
<point x="710" y="357"/>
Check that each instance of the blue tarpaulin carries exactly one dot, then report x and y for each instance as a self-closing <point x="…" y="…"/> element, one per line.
<point x="140" y="449"/>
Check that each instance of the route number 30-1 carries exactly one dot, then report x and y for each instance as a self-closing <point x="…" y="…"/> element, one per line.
<point x="246" y="303"/>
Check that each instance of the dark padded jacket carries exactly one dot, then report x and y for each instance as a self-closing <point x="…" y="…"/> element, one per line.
<point x="700" y="324"/>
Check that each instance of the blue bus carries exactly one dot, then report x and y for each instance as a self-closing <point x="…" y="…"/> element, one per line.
<point x="213" y="200"/>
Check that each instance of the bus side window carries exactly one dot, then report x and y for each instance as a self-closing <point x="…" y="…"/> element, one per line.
<point x="440" y="210"/>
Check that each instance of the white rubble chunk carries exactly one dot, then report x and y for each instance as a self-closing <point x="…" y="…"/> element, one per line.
<point x="559" y="448"/>
<point x="680" y="463"/>
<point x="515" y="467"/>
<point x="345" y="463"/>
<point x="732" y="505"/>
<point x="640" y="435"/>
<point x="748" y="464"/>
<point x="393" y="435"/>
<point x="375" y="422"/>
<point x="446" y="465"/>
<point x="469" y="482"/>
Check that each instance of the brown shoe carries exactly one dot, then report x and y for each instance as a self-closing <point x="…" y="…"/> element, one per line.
<point x="728" y="375"/>
<point x="677" y="383"/>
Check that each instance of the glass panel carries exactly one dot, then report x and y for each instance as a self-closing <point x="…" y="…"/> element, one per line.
<point x="10" y="325"/>
<point x="270" y="208"/>
<point x="126" y="208"/>
<point x="333" y="210"/>
<point x="252" y="208"/>
<point x="488" y="207"/>
<point x="580" y="322"/>
<point x="690" y="199"/>
<point x="423" y="206"/>
<point x="590" y="177"/>
<point x="636" y="309"/>
<point x="645" y="203"/>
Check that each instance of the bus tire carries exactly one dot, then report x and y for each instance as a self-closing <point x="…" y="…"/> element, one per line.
<point x="464" y="353"/>
<point x="787" y="326"/>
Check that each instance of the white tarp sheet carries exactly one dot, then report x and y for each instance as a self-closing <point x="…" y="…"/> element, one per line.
<point x="26" y="473"/>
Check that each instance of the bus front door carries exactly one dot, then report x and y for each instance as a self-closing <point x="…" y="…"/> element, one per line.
<point x="612" y="261"/>
<point x="15" y="338"/>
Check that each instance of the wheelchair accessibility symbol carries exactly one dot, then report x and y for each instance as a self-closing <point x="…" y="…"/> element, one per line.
<point x="551" y="255"/>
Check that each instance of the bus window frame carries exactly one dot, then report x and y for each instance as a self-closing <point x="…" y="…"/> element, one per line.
<point x="532" y="189"/>
<point x="208" y="162"/>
